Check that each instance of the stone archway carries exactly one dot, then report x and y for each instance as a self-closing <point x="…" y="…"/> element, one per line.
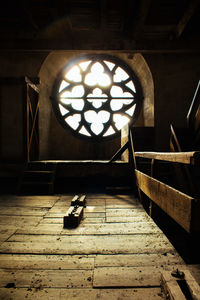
<point x="55" y="142"/>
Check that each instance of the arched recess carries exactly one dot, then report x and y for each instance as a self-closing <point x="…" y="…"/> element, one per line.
<point x="55" y="141"/>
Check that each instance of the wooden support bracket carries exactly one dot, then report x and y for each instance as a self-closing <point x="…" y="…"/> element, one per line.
<point x="79" y="200"/>
<point x="179" y="285"/>
<point x="73" y="217"/>
<point x="75" y="212"/>
<point x="119" y="152"/>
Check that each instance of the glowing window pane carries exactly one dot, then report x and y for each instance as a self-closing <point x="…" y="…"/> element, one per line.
<point x="77" y="104"/>
<point x="96" y="97"/>
<point x="97" y="127"/>
<point x="77" y="91"/>
<point x="109" y="64"/>
<point x="65" y="101"/>
<point x="84" y="131"/>
<point x="103" y="116"/>
<point x="97" y="93"/>
<point x="120" y="121"/>
<point x="73" y="121"/>
<point x="116" y="104"/>
<point x="120" y="75"/>
<point x="63" y="85"/>
<point x="131" y="110"/>
<point x="63" y="110"/>
<point x="97" y="76"/>
<point x="110" y="131"/>
<point x="131" y="86"/>
<point x="74" y="74"/>
<point x="90" y="116"/>
<point x="84" y="65"/>
<point x="127" y="101"/>
<point x="100" y="117"/>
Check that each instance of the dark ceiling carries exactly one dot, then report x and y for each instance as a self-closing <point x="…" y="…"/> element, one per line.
<point x="144" y="25"/>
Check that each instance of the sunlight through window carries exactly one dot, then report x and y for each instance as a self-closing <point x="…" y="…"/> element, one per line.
<point x="97" y="95"/>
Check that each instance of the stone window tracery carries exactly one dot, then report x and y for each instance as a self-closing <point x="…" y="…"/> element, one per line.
<point x="96" y="95"/>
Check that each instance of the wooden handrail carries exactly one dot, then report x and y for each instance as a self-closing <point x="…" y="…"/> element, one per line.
<point x="192" y="157"/>
<point x="181" y="207"/>
<point x="194" y="107"/>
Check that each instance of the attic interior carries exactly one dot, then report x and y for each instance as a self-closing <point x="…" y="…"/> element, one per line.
<point x="100" y="98"/>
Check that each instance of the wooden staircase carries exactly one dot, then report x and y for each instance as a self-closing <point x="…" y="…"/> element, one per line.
<point x="37" y="178"/>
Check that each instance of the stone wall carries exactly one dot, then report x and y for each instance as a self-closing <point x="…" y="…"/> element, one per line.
<point x="170" y="83"/>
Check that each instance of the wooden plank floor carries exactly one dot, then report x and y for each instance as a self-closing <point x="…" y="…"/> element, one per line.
<point x="117" y="252"/>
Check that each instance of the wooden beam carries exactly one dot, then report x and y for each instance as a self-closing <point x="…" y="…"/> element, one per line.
<point x="32" y="85"/>
<point x="179" y="206"/>
<point x="119" y="152"/>
<point x="29" y="16"/>
<point x="92" y="39"/>
<point x="192" y="158"/>
<point x="103" y="13"/>
<point x="189" y="12"/>
<point x="142" y="13"/>
<point x="194" y="107"/>
<point x="175" y="283"/>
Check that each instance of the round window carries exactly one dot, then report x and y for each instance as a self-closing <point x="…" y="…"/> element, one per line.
<point x="96" y="95"/>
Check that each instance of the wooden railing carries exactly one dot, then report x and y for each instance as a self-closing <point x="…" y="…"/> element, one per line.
<point x="31" y="120"/>
<point x="184" y="209"/>
<point x="27" y="93"/>
<point x="193" y="116"/>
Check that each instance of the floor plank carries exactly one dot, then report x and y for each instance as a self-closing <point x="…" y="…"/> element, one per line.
<point x="116" y="245"/>
<point x="54" y="220"/>
<point x="113" y="244"/>
<point x="127" y="277"/>
<point x="5" y="233"/>
<point x="19" y="220"/>
<point x="29" y="201"/>
<point x="78" y="294"/>
<point x="46" y="278"/>
<point x="46" y="262"/>
<point x="23" y="211"/>
<point x="137" y="260"/>
<point x="97" y="229"/>
<point x="128" y="219"/>
<point x="125" y="212"/>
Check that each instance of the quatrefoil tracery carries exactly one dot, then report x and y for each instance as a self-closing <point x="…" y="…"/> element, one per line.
<point x="96" y="97"/>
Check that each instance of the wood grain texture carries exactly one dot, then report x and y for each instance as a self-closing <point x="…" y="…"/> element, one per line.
<point x="137" y="260"/>
<point x="117" y="244"/>
<point x="96" y="229"/>
<point x="46" y="262"/>
<point x="46" y="278"/>
<point x="81" y="293"/>
<point x="173" y="202"/>
<point x="127" y="276"/>
<point x="192" y="157"/>
<point x="114" y="244"/>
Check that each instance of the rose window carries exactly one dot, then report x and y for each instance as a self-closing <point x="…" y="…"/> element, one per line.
<point x="95" y="96"/>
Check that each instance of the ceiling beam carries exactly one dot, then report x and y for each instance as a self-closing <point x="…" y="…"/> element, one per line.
<point x="29" y="16"/>
<point x="93" y="41"/>
<point x="103" y="19"/>
<point x="188" y="14"/>
<point x="141" y="16"/>
<point x="103" y="13"/>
